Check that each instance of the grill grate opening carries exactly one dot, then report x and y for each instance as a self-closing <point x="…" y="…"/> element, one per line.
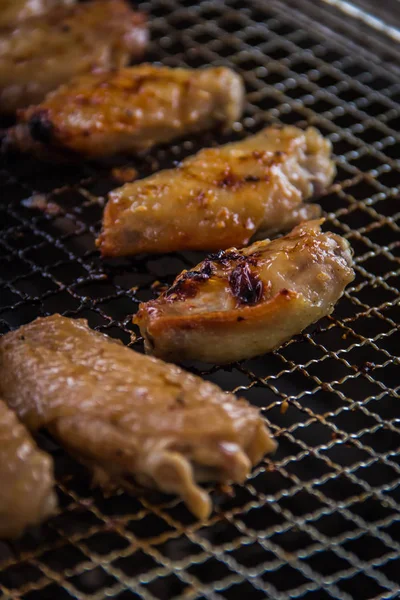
<point x="322" y="519"/>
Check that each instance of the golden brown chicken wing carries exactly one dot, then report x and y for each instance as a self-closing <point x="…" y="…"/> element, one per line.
<point x="129" y="110"/>
<point x="43" y="52"/>
<point x="240" y="303"/>
<point x="221" y="196"/>
<point x="26" y="478"/>
<point x="14" y="11"/>
<point x="126" y="414"/>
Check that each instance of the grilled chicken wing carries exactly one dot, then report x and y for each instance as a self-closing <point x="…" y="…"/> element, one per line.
<point x="126" y="414"/>
<point x="240" y="303"/>
<point x="14" y="11"/>
<point x="221" y="196"/>
<point x="43" y="52"/>
<point x="129" y="110"/>
<point x="26" y="478"/>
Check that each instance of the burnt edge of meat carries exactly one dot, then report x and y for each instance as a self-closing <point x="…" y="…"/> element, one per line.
<point x="224" y="257"/>
<point x="186" y="286"/>
<point x="245" y="285"/>
<point x="40" y="127"/>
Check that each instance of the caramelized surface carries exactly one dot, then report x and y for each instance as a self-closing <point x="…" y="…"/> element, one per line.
<point x="26" y="476"/>
<point x="43" y="52"/>
<point x="240" y="303"/>
<point x="221" y="196"/>
<point x="126" y="414"/>
<point x="130" y="110"/>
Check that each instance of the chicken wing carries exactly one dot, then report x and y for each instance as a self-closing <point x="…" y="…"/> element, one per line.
<point x="43" y="52"/>
<point x="221" y="196"/>
<point x="129" y="110"/>
<point x="14" y="11"/>
<point x="240" y="303"/>
<point x="126" y="414"/>
<point x="26" y="477"/>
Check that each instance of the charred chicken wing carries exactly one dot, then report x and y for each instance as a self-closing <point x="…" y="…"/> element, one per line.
<point x="126" y="414"/>
<point x="129" y="110"/>
<point x="26" y="478"/>
<point x="14" y="11"/>
<point x="221" y="196"/>
<point x="43" y="52"/>
<point x="240" y="303"/>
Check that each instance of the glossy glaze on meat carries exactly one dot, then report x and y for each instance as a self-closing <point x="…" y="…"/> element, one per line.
<point x="129" y="110"/>
<point x="125" y="414"/>
<point x="15" y="11"/>
<point x="41" y="53"/>
<point x="240" y="303"/>
<point x="26" y="478"/>
<point x="221" y="196"/>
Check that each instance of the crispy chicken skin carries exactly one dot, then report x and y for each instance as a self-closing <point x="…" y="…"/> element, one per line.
<point x="14" y="11"/>
<point x="43" y="52"/>
<point x="240" y="303"/>
<point x="126" y="414"/>
<point x="221" y="196"/>
<point x="26" y="476"/>
<point x="129" y="110"/>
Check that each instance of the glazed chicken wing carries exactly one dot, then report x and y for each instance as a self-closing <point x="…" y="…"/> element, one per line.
<point x="126" y="414"/>
<point x="241" y="303"/>
<point x="221" y="196"/>
<point x="43" y="52"/>
<point x="129" y="110"/>
<point x="26" y="478"/>
<point x="14" y="11"/>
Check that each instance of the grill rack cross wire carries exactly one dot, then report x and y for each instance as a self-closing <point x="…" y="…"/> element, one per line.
<point x="321" y="520"/>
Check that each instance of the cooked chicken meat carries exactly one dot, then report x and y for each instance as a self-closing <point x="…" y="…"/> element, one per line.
<point x="43" y="52"/>
<point x="14" y="11"/>
<point x="26" y="476"/>
<point x="221" y="196"/>
<point x="240" y="303"/>
<point x="129" y="110"/>
<point x="126" y="414"/>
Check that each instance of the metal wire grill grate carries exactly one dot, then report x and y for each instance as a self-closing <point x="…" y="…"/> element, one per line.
<point x="322" y="520"/>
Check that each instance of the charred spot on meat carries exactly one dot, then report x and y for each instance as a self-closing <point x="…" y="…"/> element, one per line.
<point x="40" y="127"/>
<point x="246" y="285"/>
<point x="187" y="284"/>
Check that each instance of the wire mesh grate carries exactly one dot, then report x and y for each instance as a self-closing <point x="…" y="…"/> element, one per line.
<point x="321" y="520"/>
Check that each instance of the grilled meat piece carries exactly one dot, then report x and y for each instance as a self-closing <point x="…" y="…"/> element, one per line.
<point x="14" y="11"/>
<point x="221" y="196"/>
<point x="129" y="110"/>
<point x="241" y="303"/>
<point x="126" y="414"/>
<point x="43" y="52"/>
<point x="26" y="476"/>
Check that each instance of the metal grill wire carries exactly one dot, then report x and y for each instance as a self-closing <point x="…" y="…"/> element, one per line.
<point x="322" y="519"/>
